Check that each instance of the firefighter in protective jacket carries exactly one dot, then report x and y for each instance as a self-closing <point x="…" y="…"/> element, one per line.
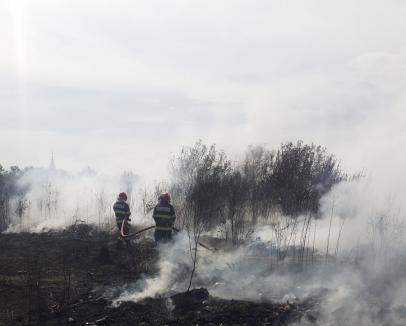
<point x="164" y="216"/>
<point x="122" y="212"/>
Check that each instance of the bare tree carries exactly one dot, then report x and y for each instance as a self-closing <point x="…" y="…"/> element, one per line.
<point x="48" y="202"/>
<point x="199" y="192"/>
<point x="236" y="199"/>
<point x="102" y="207"/>
<point x="129" y="180"/>
<point x="257" y="168"/>
<point x="301" y="175"/>
<point x="11" y="191"/>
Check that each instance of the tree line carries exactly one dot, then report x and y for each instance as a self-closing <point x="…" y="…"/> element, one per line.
<point x="210" y="191"/>
<point x="213" y="192"/>
<point x="11" y="191"/>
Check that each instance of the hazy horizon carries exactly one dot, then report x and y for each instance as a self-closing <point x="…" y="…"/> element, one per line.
<point x="119" y="86"/>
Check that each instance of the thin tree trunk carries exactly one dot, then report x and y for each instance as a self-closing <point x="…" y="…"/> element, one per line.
<point x="314" y="239"/>
<point x="329" y="229"/>
<point x="309" y="229"/>
<point x="194" y="264"/>
<point x="338" y="237"/>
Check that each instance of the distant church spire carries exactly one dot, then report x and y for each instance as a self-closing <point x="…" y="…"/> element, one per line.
<point x="52" y="164"/>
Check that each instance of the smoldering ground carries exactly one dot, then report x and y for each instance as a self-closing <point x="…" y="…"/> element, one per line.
<point x="357" y="264"/>
<point x="361" y="280"/>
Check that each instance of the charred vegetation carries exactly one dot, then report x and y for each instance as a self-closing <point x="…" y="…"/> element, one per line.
<point x="73" y="275"/>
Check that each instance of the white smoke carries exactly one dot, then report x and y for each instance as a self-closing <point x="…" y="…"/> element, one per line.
<point x="174" y="261"/>
<point x="363" y="281"/>
<point x="54" y="199"/>
<point x="363" y="221"/>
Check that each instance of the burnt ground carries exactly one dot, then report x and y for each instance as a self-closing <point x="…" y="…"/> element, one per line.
<point x="57" y="278"/>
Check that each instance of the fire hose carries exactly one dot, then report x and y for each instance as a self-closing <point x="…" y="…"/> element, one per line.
<point x="126" y="236"/>
<point x="201" y="244"/>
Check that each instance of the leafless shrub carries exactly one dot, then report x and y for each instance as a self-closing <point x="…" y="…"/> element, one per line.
<point x="48" y="200"/>
<point x="10" y="190"/>
<point x="386" y="235"/>
<point x="129" y="180"/>
<point x="301" y="175"/>
<point x="257" y="168"/>
<point x="275" y="187"/>
<point x="236" y="205"/>
<point x="199" y="190"/>
<point x="103" y="207"/>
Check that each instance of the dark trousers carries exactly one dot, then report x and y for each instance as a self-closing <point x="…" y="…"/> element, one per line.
<point x="163" y="236"/>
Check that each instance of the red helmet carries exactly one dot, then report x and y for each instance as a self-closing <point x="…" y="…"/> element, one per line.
<point x="122" y="196"/>
<point x="165" y="196"/>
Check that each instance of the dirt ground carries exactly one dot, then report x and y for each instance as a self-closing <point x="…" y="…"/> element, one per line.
<point x="58" y="278"/>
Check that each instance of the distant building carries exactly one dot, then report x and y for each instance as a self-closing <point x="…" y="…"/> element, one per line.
<point x="52" y="164"/>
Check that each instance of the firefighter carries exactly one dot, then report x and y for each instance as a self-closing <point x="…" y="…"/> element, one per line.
<point x="122" y="212"/>
<point x="164" y="217"/>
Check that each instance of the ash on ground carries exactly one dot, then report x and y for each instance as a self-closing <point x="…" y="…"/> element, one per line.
<point x="58" y="278"/>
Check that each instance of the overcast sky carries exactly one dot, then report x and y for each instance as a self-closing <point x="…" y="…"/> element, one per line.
<point x="120" y="84"/>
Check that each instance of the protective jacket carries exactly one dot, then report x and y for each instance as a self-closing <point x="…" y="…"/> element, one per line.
<point x="164" y="216"/>
<point x="121" y="210"/>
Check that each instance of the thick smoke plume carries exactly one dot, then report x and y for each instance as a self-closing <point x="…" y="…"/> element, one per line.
<point x="360" y="282"/>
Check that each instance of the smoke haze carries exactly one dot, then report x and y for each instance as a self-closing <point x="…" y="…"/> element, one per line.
<point x="55" y="199"/>
<point x="364" y="284"/>
<point x="139" y="79"/>
<point x="119" y="86"/>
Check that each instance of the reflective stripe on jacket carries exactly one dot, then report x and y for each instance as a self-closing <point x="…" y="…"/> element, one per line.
<point x="164" y="216"/>
<point x="121" y="210"/>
